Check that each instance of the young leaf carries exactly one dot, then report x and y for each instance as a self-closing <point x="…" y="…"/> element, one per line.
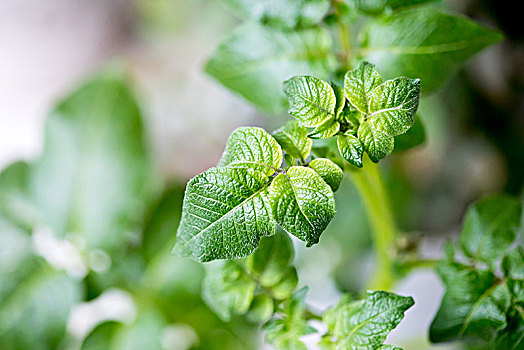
<point x="364" y="324"/>
<point x="252" y="147"/>
<point x="377" y="143"/>
<point x="340" y="98"/>
<point x="351" y="149"/>
<point x="490" y="227"/>
<point x="284" y="333"/>
<point x="393" y="105"/>
<point x="513" y="268"/>
<point x="270" y="261"/>
<point x="424" y="43"/>
<point x="302" y="203"/>
<point x="261" y="309"/>
<point x="329" y="171"/>
<point x="359" y="84"/>
<point x="254" y="61"/>
<point x="282" y="14"/>
<point x="311" y="100"/>
<point x="293" y="139"/>
<point x="325" y="130"/>
<point x="474" y="304"/>
<point x="414" y="137"/>
<point x="225" y="212"/>
<point x="227" y="289"/>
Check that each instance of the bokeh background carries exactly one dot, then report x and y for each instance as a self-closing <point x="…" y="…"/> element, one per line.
<point x="129" y="292"/>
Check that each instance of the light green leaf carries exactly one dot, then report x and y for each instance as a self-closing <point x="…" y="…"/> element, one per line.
<point x="250" y="146"/>
<point x="393" y="105"/>
<point x="225" y="212"/>
<point x="287" y="284"/>
<point x="284" y="333"/>
<point x="95" y="173"/>
<point x="293" y="139"/>
<point x="311" y="100"/>
<point x="364" y="324"/>
<point x="415" y="136"/>
<point x="302" y="203"/>
<point x="351" y="149"/>
<point x="490" y="227"/>
<point x="401" y="4"/>
<point x="282" y="14"/>
<point x="423" y="43"/>
<point x="474" y="305"/>
<point x="270" y="261"/>
<point x="254" y="61"/>
<point x="329" y="171"/>
<point x="227" y="289"/>
<point x="377" y="143"/>
<point x="146" y="332"/>
<point x="325" y="130"/>
<point x="359" y="84"/>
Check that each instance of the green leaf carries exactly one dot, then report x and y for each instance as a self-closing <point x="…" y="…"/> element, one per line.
<point x="287" y="284"/>
<point x="490" y="227"/>
<point x="283" y="14"/>
<point x="250" y="146"/>
<point x="293" y="139"/>
<point x="377" y="143"/>
<point x="284" y="333"/>
<point x="225" y="213"/>
<point x="302" y="203"/>
<point x="351" y="149"/>
<point x="423" y="43"/>
<point x="393" y="105"/>
<point x="360" y="83"/>
<point x="35" y="316"/>
<point x="329" y="171"/>
<point x="311" y="100"/>
<point x="325" y="130"/>
<point x="254" y="61"/>
<point x="270" y="261"/>
<point x="513" y="268"/>
<point x="474" y="305"/>
<point x="340" y="98"/>
<point x="227" y="289"/>
<point x="401" y="4"/>
<point x="414" y="137"/>
<point x="261" y="309"/>
<point x="364" y="324"/>
<point x="95" y="173"/>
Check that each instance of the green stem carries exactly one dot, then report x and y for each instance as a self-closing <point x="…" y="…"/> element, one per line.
<point x="370" y="186"/>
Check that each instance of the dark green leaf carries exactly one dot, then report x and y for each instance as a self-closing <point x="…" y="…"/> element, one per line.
<point x="474" y="305"/>
<point x="329" y="171"/>
<point x="364" y="324"/>
<point x="377" y="143"/>
<point x="254" y="61"/>
<point x="490" y="227"/>
<point x="302" y="203"/>
<point x="293" y="139"/>
<point x="351" y="149"/>
<point x="513" y="268"/>
<point x="285" y="14"/>
<point x="227" y="288"/>
<point x="311" y="100"/>
<point x="360" y="83"/>
<point x="424" y="43"/>
<point x="414" y="137"/>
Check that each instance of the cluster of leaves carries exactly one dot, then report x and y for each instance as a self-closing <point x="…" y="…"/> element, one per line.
<point x="366" y="114"/>
<point x="228" y="209"/>
<point x="262" y="287"/>
<point x="484" y="299"/>
<point x="281" y="39"/>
